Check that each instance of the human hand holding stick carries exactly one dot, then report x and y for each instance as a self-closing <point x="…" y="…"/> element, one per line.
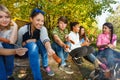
<point x="20" y="50"/>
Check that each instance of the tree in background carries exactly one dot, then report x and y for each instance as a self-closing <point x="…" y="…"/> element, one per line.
<point x="83" y="11"/>
<point x="114" y="18"/>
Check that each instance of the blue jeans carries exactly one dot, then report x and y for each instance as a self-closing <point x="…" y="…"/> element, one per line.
<point x="90" y="57"/>
<point x="33" y="54"/>
<point x="110" y="56"/>
<point x="60" y="52"/>
<point x="6" y="63"/>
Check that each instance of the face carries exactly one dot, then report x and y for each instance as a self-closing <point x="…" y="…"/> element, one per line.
<point x="82" y="31"/>
<point x="37" y="21"/>
<point x="76" y="28"/>
<point x="106" y="30"/>
<point x="4" y="19"/>
<point x="62" y="25"/>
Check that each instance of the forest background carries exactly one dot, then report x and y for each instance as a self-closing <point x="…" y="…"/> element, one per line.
<point x="83" y="11"/>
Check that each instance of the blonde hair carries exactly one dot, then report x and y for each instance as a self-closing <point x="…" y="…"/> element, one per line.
<point x="4" y="9"/>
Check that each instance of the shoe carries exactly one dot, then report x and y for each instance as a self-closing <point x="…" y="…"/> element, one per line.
<point x="66" y="69"/>
<point x="77" y="61"/>
<point x="67" y="64"/>
<point x="49" y="71"/>
<point x="11" y="78"/>
<point x="103" y="66"/>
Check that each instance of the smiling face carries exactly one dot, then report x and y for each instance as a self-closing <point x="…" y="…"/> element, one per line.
<point x="76" y="28"/>
<point x="37" y="21"/>
<point x="106" y="30"/>
<point x="4" y="19"/>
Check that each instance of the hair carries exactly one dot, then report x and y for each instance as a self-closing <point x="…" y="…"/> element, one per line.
<point x="110" y="26"/>
<point x="35" y="12"/>
<point x="63" y="19"/>
<point x="4" y="9"/>
<point x="84" y="35"/>
<point x="72" y="24"/>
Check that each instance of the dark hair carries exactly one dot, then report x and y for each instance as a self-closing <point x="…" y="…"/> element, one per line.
<point x="72" y="24"/>
<point x="110" y="26"/>
<point x="35" y="12"/>
<point x="63" y="19"/>
<point x="82" y="36"/>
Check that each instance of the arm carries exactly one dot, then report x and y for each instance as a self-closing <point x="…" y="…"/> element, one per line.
<point x="102" y="46"/>
<point x="46" y="41"/>
<point x="49" y="49"/>
<point x="86" y="43"/>
<point x="19" y="51"/>
<point x="59" y="41"/>
<point x="13" y="36"/>
<point x="100" y="42"/>
<point x="4" y="40"/>
<point x="21" y="32"/>
<point x="114" y="42"/>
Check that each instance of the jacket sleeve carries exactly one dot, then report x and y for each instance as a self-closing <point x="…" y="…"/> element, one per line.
<point x="21" y="32"/>
<point x="44" y="35"/>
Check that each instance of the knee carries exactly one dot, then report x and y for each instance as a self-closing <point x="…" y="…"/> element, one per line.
<point x="84" y="50"/>
<point x="32" y="46"/>
<point x="92" y="49"/>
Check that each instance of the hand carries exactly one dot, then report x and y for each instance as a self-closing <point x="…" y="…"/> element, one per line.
<point x="67" y="38"/>
<point x="21" y="51"/>
<point x="66" y="48"/>
<point x="13" y="23"/>
<point x="51" y="52"/>
<point x="92" y="39"/>
<point x="111" y="46"/>
<point x="86" y="43"/>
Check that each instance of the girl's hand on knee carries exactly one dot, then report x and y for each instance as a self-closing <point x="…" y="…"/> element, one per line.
<point x="21" y="51"/>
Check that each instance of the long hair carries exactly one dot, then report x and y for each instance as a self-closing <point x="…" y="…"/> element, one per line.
<point x="84" y="35"/>
<point x="4" y="9"/>
<point x="110" y="26"/>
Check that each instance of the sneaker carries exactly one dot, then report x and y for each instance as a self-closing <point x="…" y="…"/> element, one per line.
<point x="11" y="78"/>
<point x="66" y="69"/>
<point x="49" y="71"/>
<point x="67" y="63"/>
<point x="77" y="61"/>
<point x="103" y="66"/>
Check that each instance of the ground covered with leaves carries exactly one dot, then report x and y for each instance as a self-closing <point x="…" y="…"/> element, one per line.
<point x="22" y="70"/>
